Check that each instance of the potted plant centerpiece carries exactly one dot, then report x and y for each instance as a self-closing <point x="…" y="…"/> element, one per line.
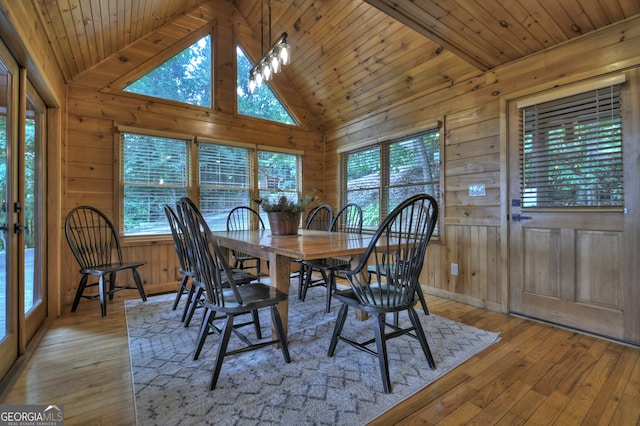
<point x="284" y="212"/>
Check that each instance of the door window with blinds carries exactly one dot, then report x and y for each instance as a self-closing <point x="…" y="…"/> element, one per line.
<point x="381" y="176"/>
<point x="572" y="151"/>
<point x="157" y="170"/>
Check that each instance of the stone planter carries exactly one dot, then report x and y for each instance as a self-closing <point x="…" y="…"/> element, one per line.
<point x="284" y="223"/>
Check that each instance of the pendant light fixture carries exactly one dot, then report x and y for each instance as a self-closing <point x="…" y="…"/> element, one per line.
<point x="273" y="59"/>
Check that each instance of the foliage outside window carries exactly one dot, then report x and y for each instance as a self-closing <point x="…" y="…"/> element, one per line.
<point x="380" y="177"/>
<point x="262" y="103"/>
<point x="155" y="171"/>
<point x="572" y="151"/>
<point x="184" y="78"/>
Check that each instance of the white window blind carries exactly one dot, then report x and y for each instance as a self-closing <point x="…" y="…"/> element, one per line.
<point x="225" y="176"/>
<point x="572" y="151"/>
<point x="153" y="172"/>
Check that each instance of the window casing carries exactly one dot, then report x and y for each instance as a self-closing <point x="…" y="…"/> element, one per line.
<point x="572" y="152"/>
<point x="158" y="170"/>
<point x="380" y="176"/>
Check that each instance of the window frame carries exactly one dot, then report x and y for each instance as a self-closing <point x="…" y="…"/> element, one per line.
<point x="193" y="187"/>
<point x="384" y="185"/>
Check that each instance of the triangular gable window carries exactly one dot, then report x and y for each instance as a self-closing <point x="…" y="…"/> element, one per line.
<point x="262" y="103"/>
<point x="185" y="78"/>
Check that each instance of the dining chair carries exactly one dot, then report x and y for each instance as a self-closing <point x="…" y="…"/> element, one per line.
<point x="348" y="219"/>
<point x="243" y="218"/>
<point x="224" y="297"/>
<point x="95" y="245"/>
<point x="319" y="219"/>
<point x="186" y="270"/>
<point x="398" y="247"/>
<point x="195" y="295"/>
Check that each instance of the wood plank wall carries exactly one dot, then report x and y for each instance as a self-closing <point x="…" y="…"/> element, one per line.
<point x="474" y="231"/>
<point x="96" y="107"/>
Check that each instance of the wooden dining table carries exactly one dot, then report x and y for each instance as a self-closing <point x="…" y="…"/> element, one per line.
<point x="280" y="251"/>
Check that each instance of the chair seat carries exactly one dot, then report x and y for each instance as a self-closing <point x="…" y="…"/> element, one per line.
<point x="378" y="299"/>
<point x="106" y="269"/>
<point x="254" y="296"/>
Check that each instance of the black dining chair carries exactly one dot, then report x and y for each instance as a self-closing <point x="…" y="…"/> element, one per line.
<point x="95" y="245"/>
<point x="398" y="247"/>
<point x="224" y="299"/>
<point x="196" y="296"/>
<point x="348" y="219"/>
<point x="243" y="218"/>
<point x="319" y="219"/>
<point x="180" y="245"/>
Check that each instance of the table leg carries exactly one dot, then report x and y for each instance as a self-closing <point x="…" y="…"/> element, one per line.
<point x="279" y="271"/>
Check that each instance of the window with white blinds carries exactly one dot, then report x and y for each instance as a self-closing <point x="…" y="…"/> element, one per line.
<point x="153" y="171"/>
<point x="225" y="176"/>
<point x="156" y="170"/>
<point x="572" y="151"/>
<point x="380" y="177"/>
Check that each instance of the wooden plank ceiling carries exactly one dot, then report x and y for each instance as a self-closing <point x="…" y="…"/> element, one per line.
<point x="350" y="58"/>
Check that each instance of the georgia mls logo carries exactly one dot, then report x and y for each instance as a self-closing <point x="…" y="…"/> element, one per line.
<point x="32" y="415"/>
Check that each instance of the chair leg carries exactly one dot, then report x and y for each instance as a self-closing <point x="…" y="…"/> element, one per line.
<point x="256" y="324"/>
<point x="102" y="286"/>
<point x="181" y="290"/>
<point x="194" y="305"/>
<point x="330" y="281"/>
<point x="112" y="285"/>
<point x="423" y="302"/>
<point x="222" y="350"/>
<point x="204" y="331"/>
<point x="301" y="279"/>
<point x="138" y="281"/>
<point x="307" y="282"/>
<point x="190" y="294"/>
<point x="81" y="286"/>
<point x="415" y="321"/>
<point x="381" y="347"/>
<point x="337" y="330"/>
<point x="284" y="345"/>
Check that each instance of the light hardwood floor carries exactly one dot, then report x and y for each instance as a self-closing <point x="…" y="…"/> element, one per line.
<point x="537" y="374"/>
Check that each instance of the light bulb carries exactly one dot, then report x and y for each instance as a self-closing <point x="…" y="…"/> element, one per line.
<point x="275" y="63"/>
<point x="285" y="53"/>
<point x="252" y="84"/>
<point x="266" y="70"/>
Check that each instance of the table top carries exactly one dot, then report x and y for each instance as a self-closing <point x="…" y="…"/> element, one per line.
<point x="308" y="244"/>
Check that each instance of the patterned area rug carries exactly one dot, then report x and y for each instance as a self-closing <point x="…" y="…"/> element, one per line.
<point x="259" y="388"/>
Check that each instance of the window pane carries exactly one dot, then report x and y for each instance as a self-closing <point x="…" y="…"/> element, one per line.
<point x="225" y="181"/>
<point x="278" y="174"/>
<point x="414" y="168"/>
<point x="362" y="172"/>
<point x="154" y="173"/>
<point x="572" y="151"/>
<point x="262" y="103"/>
<point x="184" y="78"/>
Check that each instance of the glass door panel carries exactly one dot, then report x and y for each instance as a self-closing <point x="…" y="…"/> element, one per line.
<point x="8" y="286"/>
<point x="32" y="211"/>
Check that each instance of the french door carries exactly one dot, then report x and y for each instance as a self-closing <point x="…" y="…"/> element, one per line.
<point x="22" y="141"/>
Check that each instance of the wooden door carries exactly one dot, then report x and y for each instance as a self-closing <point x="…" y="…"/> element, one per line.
<point x="577" y="267"/>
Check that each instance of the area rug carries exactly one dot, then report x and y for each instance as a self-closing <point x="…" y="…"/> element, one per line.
<point x="258" y="387"/>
